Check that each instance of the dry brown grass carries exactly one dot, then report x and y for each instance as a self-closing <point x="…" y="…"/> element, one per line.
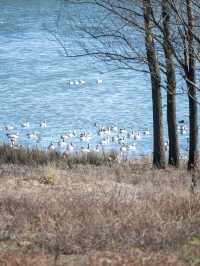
<point x="119" y="214"/>
<point x="36" y="157"/>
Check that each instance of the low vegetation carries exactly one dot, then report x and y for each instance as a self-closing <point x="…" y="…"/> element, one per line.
<point x="109" y="213"/>
<point x="35" y="157"/>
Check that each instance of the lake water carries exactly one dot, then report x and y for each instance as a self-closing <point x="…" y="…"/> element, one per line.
<point x="34" y="75"/>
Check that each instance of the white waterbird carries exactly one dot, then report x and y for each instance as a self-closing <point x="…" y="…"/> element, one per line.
<point x="166" y="146"/>
<point x="13" y="138"/>
<point x="70" y="147"/>
<point x="85" y="136"/>
<point x="99" y="81"/>
<point x="85" y="150"/>
<point x="123" y="148"/>
<point x="43" y="124"/>
<point x="82" y="82"/>
<point x="33" y="135"/>
<point x="131" y="147"/>
<point x="25" y="124"/>
<point x="51" y="147"/>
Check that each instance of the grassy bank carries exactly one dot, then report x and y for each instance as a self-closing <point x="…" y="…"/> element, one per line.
<point x="95" y="212"/>
<point x="34" y="157"/>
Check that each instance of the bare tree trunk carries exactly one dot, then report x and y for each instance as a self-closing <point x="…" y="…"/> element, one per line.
<point x="191" y="82"/>
<point x="153" y="64"/>
<point x="171" y="87"/>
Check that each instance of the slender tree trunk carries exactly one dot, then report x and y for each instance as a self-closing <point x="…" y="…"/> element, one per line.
<point x="191" y="82"/>
<point x="158" y="141"/>
<point x="171" y="87"/>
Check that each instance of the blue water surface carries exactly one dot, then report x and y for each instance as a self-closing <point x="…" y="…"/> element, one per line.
<point x="35" y="75"/>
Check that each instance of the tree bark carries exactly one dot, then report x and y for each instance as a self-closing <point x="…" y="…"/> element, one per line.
<point x="173" y="159"/>
<point x="153" y="64"/>
<point x="191" y="82"/>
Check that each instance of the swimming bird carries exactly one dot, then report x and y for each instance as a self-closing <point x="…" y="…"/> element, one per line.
<point x="166" y="146"/>
<point x="146" y="131"/>
<point x="99" y="81"/>
<point x="122" y="131"/>
<point x="9" y="127"/>
<point x="131" y="147"/>
<point x="43" y="124"/>
<point x="51" y="147"/>
<point x="70" y="147"/>
<point x="182" y="129"/>
<point x="97" y="148"/>
<point x="65" y="136"/>
<point x="115" y="139"/>
<point x="123" y="148"/>
<point x="33" y="135"/>
<point x="114" y="129"/>
<point x="104" y="141"/>
<point x="82" y="82"/>
<point x="72" y="134"/>
<point x="61" y="143"/>
<point x="137" y="135"/>
<point x="25" y="124"/>
<point x="13" y="138"/>
<point x="131" y="135"/>
<point x="85" y="136"/>
<point x="85" y="150"/>
<point x="71" y="82"/>
<point x="104" y="131"/>
<point x="122" y="140"/>
<point x="76" y="82"/>
<point x="12" y="135"/>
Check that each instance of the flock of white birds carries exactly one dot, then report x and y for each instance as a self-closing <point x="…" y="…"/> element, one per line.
<point x="82" y="82"/>
<point x="101" y="138"/>
<point x="79" y="140"/>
